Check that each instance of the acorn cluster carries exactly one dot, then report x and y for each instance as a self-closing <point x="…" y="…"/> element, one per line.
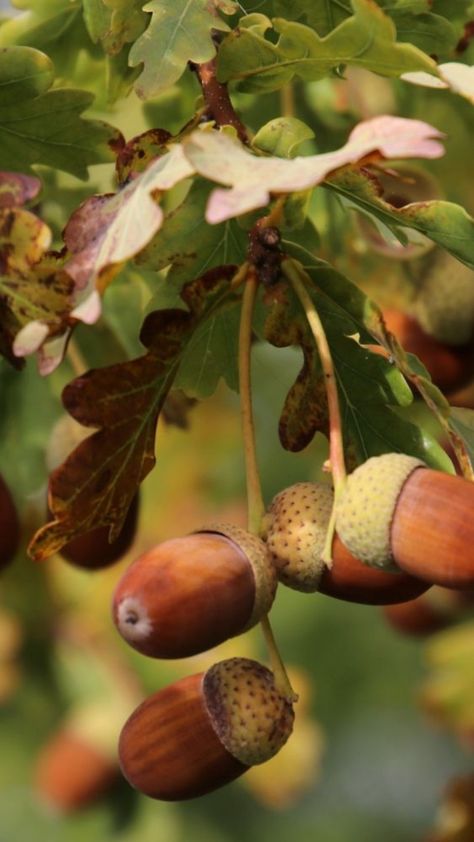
<point x="189" y="594"/>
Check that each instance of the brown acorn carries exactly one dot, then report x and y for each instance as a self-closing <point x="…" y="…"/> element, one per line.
<point x="188" y="594"/>
<point x="296" y="525"/>
<point x="94" y="551"/>
<point x="395" y="513"/>
<point x="9" y="525"/>
<point x="204" y="731"/>
<point x="71" y="772"/>
<point x="450" y="366"/>
<point x="429" y="613"/>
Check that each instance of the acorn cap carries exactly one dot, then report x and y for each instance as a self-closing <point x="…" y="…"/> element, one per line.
<point x="250" y="716"/>
<point x="296" y="525"/>
<point x="444" y="306"/>
<point x="366" y="508"/>
<point x="263" y="570"/>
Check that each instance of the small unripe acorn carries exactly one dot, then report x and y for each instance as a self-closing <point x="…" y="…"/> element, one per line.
<point x="9" y="525"/>
<point x="395" y="512"/>
<point x="204" y="731"/>
<point x="296" y="525"/>
<point x="444" y="305"/>
<point x="189" y="594"/>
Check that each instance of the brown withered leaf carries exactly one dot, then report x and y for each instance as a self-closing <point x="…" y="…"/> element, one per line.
<point x="32" y="291"/>
<point x="305" y="410"/>
<point x="17" y="188"/>
<point x="97" y="482"/>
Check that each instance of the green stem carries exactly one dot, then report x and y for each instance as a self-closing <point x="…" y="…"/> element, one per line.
<point x="298" y="278"/>
<point x="255" y="504"/>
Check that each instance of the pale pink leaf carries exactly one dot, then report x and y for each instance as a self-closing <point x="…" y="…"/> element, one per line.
<point x="108" y="230"/>
<point x="253" y="179"/>
<point x="458" y="77"/>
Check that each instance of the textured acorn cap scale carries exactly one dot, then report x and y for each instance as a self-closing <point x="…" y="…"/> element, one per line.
<point x="296" y="526"/>
<point x="366" y="508"/>
<point x="250" y="716"/>
<point x="263" y="570"/>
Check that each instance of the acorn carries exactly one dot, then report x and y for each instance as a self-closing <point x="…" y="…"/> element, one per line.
<point x="71" y="772"/>
<point x="296" y="525"/>
<point x="92" y="550"/>
<point x="9" y="525"/>
<point x="204" y="731"/>
<point x="189" y="594"/>
<point x="429" y="613"/>
<point x="450" y="366"/>
<point x="444" y="305"/>
<point x="395" y="513"/>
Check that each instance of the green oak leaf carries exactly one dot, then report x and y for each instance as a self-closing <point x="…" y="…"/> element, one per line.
<point x="179" y="31"/>
<point x="29" y="135"/>
<point x="282" y="136"/>
<point x="462" y="422"/>
<point x="372" y="391"/>
<point x="414" y="20"/>
<point x="114" y="23"/>
<point x="366" y="39"/>
<point x="97" y="482"/>
<point x="55" y="27"/>
<point x="446" y="223"/>
<point x="189" y="245"/>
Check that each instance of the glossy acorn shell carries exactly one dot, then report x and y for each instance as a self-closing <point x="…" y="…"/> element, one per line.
<point x="94" y="551"/>
<point x="9" y="525"/>
<point x="168" y="748"/>
<point x="351" y="580"/>
<point x="185" y="596"/>
<point x="432" y="532"/>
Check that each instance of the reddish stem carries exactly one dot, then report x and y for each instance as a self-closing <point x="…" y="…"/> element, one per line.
<point x="216" y="96"/>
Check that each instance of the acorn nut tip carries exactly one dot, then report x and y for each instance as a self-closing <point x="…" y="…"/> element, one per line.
<point x="366" y="509"/>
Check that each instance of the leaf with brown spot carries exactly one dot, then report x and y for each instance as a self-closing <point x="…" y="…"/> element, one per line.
<point x="369" y="386"/>
<point x="135" y="156"/>
<point x="305" y="409"/>
<point x="97" y="482"/>
<point x="31" y="288"/>
<point x="107" y="230"/>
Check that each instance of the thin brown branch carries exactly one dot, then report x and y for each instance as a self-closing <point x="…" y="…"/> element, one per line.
<point x="217" y="99"/>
